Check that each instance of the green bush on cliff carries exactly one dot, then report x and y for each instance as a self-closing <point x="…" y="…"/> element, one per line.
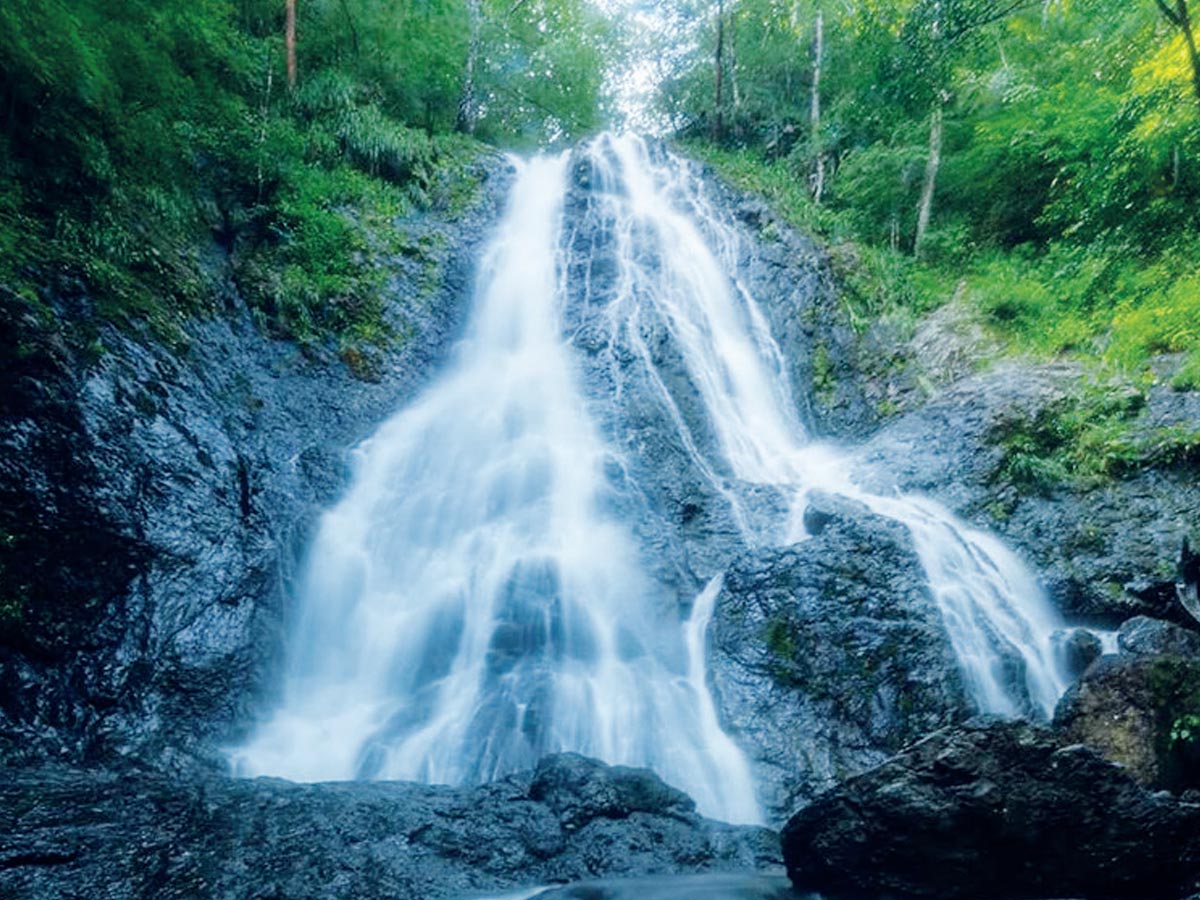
<point x="1095" y="434"/>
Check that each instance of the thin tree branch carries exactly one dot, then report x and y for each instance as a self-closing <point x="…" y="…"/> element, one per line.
<point x="1168" y="13"/>
<point x="984" y="17"/>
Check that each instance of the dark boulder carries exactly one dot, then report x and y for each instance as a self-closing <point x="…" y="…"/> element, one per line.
<point x="1133" y="709"/>
<point x="1080" y="648"/>
<point x="143" y="836"/>
<point x="579" y="790"/>
<point x="995" y="809"/>
<point x="830" y="655"/>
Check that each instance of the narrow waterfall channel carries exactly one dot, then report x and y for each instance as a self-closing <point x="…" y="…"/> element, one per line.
<point x="482" y="595"/>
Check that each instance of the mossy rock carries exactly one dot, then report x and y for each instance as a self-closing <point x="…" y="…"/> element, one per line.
<point x="1136" y="711"/>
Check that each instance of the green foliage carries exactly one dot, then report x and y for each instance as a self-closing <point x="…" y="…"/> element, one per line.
<point x="1188" y="376"/>
<point x="1175" y="686"/>
<point x="132" y="134"/>
<point x="1186" y="730"/>
<point x="780" y="640"/>
<point x="1067" y="206"/>
<point x="877" y="281"/>
<point x="777" y="181"/>
<point x="1094" y="435"/>
<point x="824" y="384"/>
<point x="541" y="72"/>
<point x="782" y="663"/>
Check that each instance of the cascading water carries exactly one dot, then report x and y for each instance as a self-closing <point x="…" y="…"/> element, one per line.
<point x="469" y="606"/>
<point x="485" y="593"/>
<point x="994" y="610"/>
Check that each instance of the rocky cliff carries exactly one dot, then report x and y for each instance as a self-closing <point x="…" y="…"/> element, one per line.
<point x="157" y="496"/>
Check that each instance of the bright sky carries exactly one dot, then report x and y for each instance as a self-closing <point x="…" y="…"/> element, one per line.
<point x="658" y="34"/>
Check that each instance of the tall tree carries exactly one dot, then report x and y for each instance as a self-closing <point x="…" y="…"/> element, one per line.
<point x="933" y="161"/>
<point x="467" y="102"/>
<point x="935" y="33"/>
<point x="718" y="128"/>
<point x="733" y="60"/>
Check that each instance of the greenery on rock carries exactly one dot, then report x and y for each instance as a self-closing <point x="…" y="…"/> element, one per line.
<point x="1039" y="160"/>
<point x="1096" y="433"/>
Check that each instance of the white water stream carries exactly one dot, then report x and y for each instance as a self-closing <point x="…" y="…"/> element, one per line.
<point x="991" y="602"/>
<point x="474" y="601"/>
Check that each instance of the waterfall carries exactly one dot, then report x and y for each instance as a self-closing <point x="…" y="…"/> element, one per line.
<point x="470" y="605"/>
<point x="485" y="592"/>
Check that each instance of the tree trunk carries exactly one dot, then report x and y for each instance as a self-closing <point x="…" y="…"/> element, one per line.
<point x="718" y="73"/>
<point x="290" y="42"/>
<point x="934" y="163"/>
<point x="465" y="120"/>
<point x="264" y="117"/>
<point x="932" y="166"/>
<point x="733" y="65"/>
<point x="818" y="54"/>
<point x="1190" y="37"/>
<point x="1181" y="18"/>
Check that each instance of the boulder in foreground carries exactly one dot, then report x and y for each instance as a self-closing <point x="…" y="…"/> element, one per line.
<point x="1128" y="707"/>
<point x="994" y="809"/>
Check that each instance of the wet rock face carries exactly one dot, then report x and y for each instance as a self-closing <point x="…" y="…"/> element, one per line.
<point x="1127" y="708"/>
<point x="679" y="517"/>
<point x="1143" y="636"/>
<point x="824" y="358"/>
<point x="160" y="499"/>
<point x="144" y="836"/>
<point x="829" y="656"/>
<point x="995" y="810"/>
<point x="1106" y="552"/>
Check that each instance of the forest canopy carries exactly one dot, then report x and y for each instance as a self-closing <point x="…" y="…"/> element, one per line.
<point x="132" y="131"/>
<point x="1037" y="159"/>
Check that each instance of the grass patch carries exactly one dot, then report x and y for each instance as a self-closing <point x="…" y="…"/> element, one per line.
<point x="1188" y="376"/>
